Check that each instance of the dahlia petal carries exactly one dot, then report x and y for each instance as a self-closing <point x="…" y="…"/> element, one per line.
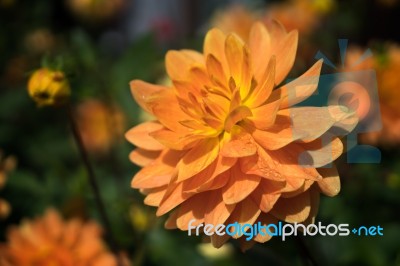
<point x="198" y="75"/>
<point x="277" y="136"/>
<point x="183" y="88"/>
<point x="178" y="63"/>
<point x="139" y="136"/>
<point x="260" y="47"/>
<point x="159" y="173"/>
<point x="264" y="116"/>
<point x="217" y="212"/>
<point x="172" y="198"/>
<point x="246" y="75"/>
<point x="245" y="212"/>
<point x="266" y="194"/>
<point x="217" y="105"/>
<point x="235" y="116"/>
<point x="218" y="182"/>
<point x="263" y="90"/>
<point x="234" y="55"/>
<point x="214" y="43"/>
<point x="318" y="153"/>
<point x="141" y="91"/>
<point x="195" y="55"/>
<point x="175" y="140"/>
<point x="309" y="123"/>
<point x="287" y="162"/>
<point x="330" y="183"/>
<point x="293" y="210"/>
<point x="155" y="175"/>
<point x="239" y="186"/>
<point x="215" y="70"/>
<point x="262" y="166"/>
<point x="170" y="223"/>
<point x="314" y="199"/>
<point x="218" y="241"/>
<point x="240" y="144"/>
<point x="155" y="195"/>
<point x="299" y="89"/>
<point x="203" y="180"/>
<point x="198" y="158"/>
<point x="193" y="208"/>
<point x="265" y="220"/>
<point x="166" y="108"/>
<point x="142" y="157"/>
<point x="285" y="54"/>
<point x="276" y="30"/>
<point x="305" y="186"/>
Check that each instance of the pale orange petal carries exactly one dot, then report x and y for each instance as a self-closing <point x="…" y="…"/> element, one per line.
<point x="178" y="63"/>
<point x="170" y="223"/>
<point x="319" y="152"/>
<point x="264" y="117"/>
<point x="260" y="47"/>
<point x="265" y="220"/>
<point x="299" y="89"/>
<point x="245" y="212"/>
<point x="203" y="180"/>
<point x="139" y="136"/>
<point x="239" y="186"/>
<point x="285" y="54"/>
<point x="314" y="199"/>
<point x="266" y="194"/>
<point x="217" y="212"/>
<point x="154" y="195"/>
<point x="214" y="43"/>
<point x="234" y="55"/>
<point x="293" y="210"/>
<point x="159" y="172"/>
<point x="218" y="241"/>
<point x="240" y="144"/>
<point x="263" y="90"/>
<point x="141" y="91"/>
<point x="309" y="123"/>
<point x="142" y="157"/>
<point x="172" y="198"/>
<point x="176" y="141"/>
<point x="330" y="183"/>
<point x="198" y="158"/>
<point x="193" y="208"/>
<point x="166" y="108"/>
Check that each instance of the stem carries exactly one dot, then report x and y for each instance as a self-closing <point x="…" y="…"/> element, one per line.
<point x="93" y="183"/>
<point x="305" y="251"/>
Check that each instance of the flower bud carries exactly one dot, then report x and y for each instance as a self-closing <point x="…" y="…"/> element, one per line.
<point x="48" y="87"/>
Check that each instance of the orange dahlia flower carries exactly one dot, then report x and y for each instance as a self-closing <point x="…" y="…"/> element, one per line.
<point x="226" y="144"/>
<point x="51" y="241"/>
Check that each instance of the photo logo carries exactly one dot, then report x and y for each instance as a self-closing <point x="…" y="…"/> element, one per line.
<point x="356" y="93"/>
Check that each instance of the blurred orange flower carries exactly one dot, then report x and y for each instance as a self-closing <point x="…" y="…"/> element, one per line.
<point x="100" y="125"/>
<point x="302" y="15"/>
<point x="387" y="67"/>
<point x="96" y="10"/>
<point x="49" y="240"/>
<point x="227" y="147"/>
<point x="6" y="166"/>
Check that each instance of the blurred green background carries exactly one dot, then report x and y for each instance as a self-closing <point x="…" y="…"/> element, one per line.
<point x="101" y="50"/>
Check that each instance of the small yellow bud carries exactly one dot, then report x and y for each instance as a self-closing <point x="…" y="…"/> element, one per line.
<point x="48" y="87"/>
